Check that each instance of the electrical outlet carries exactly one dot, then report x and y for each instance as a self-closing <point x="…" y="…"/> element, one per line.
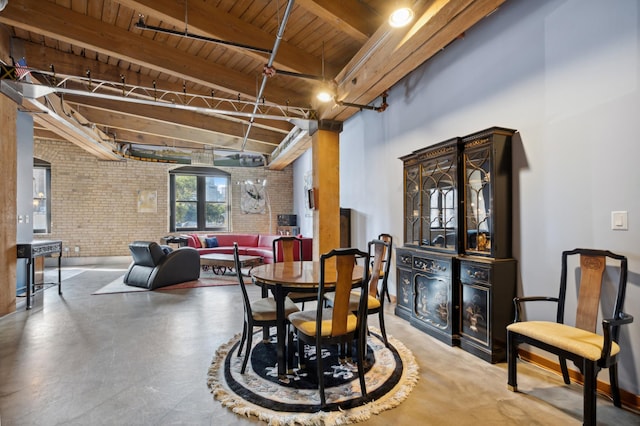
<point x="66" y="249"/>
<point x="77" y="249"/>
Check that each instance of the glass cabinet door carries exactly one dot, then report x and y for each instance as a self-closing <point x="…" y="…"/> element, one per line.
<point x="412" y="205"/>
<point x="477" y="173"/>
<point x="439" y="200"/>
<point x="486" y="187"/>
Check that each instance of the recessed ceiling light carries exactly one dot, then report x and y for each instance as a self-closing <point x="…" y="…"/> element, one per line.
<point x="324" y="96"/>
<point x="401" y="17"/>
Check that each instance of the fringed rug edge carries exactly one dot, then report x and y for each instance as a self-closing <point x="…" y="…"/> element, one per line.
<point x="240" y="406"/>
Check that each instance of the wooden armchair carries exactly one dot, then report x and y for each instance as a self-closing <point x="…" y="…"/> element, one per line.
<point x="580" y="343"/>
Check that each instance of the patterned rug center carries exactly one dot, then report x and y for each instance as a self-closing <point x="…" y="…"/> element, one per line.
<point x="337" y="370"/>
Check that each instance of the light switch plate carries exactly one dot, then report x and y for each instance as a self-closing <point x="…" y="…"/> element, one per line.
<point x="619" y="221"/>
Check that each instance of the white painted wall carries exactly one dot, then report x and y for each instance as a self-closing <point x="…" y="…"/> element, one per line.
<point x="302" y="169"/>
<point x="565" y="74"/>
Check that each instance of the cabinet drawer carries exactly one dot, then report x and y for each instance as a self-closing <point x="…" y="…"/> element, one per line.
<point x="473" y="273"/>
<point x="434" y="266"/>
<point x="404" y="258"/>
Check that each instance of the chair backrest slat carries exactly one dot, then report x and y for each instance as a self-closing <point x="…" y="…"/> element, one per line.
<point x="379" y="249"/>
<point x="593" y="265"/>
<point x="290" y="248"/>
<point x="338" y="266"/>
<point x="344" y="270"/>
<point x="591" y="275"/>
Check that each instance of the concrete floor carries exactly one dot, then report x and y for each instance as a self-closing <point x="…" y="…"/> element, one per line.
<point x="142" y="359"/>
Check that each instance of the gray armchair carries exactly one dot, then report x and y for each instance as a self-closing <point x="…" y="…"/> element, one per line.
<point x="156" y="266"/>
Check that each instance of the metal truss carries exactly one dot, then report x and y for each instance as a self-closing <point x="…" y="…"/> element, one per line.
<point x="123" y="91"/>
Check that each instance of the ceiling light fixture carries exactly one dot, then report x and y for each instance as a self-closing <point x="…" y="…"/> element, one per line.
<point x="324" y="96"/>
<point x="401" y="17"/>
<point x="326" y="92"/>
<point x="3" y="4"/>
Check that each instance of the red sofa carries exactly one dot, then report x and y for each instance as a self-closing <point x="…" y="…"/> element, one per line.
<point x="248" y="245"/>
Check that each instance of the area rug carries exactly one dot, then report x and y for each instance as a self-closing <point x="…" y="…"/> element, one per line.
<point x="390" y="376"/>
<point x="117" y="286"/>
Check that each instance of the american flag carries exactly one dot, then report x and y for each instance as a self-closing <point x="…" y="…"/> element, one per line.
<point x="21" y="68"/>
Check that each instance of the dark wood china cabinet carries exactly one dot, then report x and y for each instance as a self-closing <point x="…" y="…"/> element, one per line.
<point x="455" y="275"/>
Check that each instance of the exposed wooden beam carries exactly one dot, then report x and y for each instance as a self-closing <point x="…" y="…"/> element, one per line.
<point x="390" y="55"/>
<point x="186" y="119"/>
<point x="63" y="24"/>
<point x="128" y="122"/>
<point x="139" y="138"/>
<point x="86" y="138"/>
<point x="44" y="133"/>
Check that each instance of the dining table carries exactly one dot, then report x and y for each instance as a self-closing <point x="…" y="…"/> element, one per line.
<point x="300" y="276"/>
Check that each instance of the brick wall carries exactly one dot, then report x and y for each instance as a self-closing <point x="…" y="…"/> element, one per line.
<point x="94" y="202"/>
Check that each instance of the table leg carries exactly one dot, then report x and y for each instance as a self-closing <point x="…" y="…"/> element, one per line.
<point x="29" y="281"/>
<point x="281" y="332"/>
<point x="60" y="273"/>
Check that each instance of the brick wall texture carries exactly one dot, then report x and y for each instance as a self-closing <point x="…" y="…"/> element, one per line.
<point x="94" y="202"/>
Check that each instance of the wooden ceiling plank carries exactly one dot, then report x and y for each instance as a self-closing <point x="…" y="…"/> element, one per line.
<point x="205" y="19"/>
<point x="63" y="24"/>
<point x="352" y="18"/>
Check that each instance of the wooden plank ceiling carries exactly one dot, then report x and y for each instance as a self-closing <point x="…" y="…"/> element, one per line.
<point x="218" y="50"/>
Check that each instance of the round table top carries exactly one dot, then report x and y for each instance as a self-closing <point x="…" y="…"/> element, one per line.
<point x="298" y="275"/>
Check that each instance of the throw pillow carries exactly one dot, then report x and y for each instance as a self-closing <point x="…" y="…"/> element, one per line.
<point x="196" y="241"/>
<point x="202" y="239"/>
<point x="212" y="242"/>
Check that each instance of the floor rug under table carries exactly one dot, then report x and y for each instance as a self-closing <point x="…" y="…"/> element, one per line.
<point x="390" y="376"/>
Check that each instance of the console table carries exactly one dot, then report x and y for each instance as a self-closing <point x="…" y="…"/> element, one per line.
<point x="35" y="249"/>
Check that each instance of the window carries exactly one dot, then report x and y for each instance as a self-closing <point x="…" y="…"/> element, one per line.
<point x="199" y="199"/>
<point x="41" y="197"/>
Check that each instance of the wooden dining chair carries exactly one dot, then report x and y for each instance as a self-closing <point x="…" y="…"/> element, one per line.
<point x="335" y="325"/>
<point x="289" y="249"/>
<point x="581" y="343"/>
<point x="259" y="313"/>
<point x="376" y="287"/>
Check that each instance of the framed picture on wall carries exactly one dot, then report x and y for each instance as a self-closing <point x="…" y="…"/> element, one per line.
<point x="147" y="201"/>
<point x="311" y="203"/>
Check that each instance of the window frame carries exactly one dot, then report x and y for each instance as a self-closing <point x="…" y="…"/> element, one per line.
<point x="46" y="166"/>
<point x="201" y="174"/>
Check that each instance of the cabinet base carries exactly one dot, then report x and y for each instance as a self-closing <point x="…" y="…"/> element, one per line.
<point x="494" y="356"/>
<point x="405" y="314"/>
<point x="443" y="336"/>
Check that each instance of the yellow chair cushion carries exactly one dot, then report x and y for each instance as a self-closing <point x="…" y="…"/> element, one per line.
<point x="305" y="321"/>
<point x="571" y="339"/>
<point x="265" y="309"/>
<point x="354" y="300"/>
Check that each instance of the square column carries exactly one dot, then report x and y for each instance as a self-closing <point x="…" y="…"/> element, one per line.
<point x="326" y="185"/>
